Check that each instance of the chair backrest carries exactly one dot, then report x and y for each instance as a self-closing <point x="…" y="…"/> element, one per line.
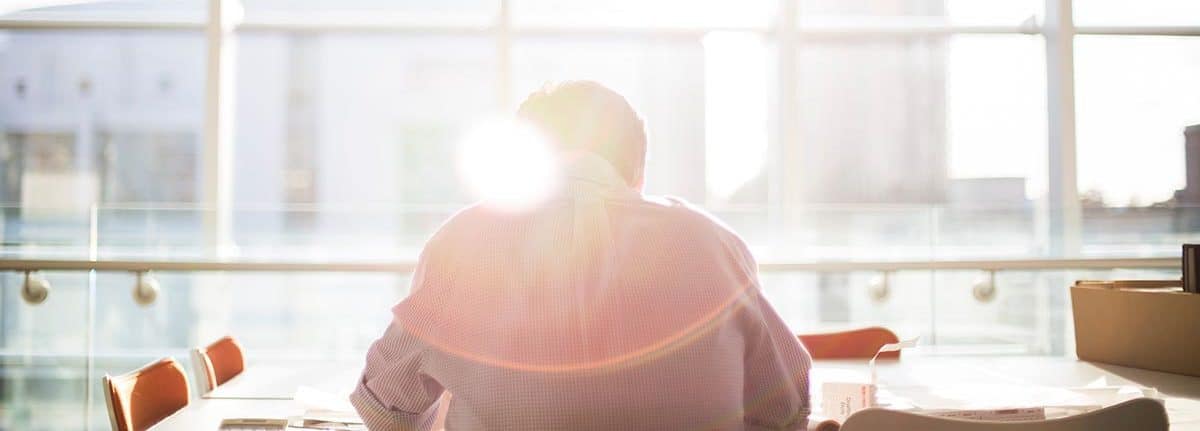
<point x="218" y="362"/>
<point x="138" y="400"/>
<point x="1143" y="414"/>
<point x="853" y="344"/>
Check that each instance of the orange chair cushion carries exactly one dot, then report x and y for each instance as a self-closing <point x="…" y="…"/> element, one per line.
<point x="147" y="396"/>
<point x="224" y="360"/>
<point x="853" y="344"/>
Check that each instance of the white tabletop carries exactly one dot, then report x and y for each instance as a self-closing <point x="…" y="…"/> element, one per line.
<point x="935" y="381"/>
<point x="279" y="381"/>
<point x="206" y="414"/>
<point x="963" y="381"/>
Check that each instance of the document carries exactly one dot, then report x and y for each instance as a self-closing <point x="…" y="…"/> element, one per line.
<point x="249" y="424"/>
<point x="332" y="410"/>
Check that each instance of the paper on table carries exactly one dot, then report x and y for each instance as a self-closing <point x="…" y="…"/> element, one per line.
<point x="316" y="399"/>
<point x="893" y="347"/>
<point x="325" y="406"/>
<point x="840" y="399"/>
<point x="996" y="415"/>
<point x="252" y="424"/>
<point x="1054" y="401"/>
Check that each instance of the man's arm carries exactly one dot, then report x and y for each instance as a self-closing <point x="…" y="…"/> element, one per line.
<point x="777" y="366"/>
<point x="394" y="393"/>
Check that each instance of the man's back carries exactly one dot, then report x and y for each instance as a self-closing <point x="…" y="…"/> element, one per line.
<point x="597" y="310"/>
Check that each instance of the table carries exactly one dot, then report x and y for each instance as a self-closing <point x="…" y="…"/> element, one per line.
<point x="931" y="380"/>
<point x="911" y="377"/>
<point x="279" y="381"/>
<point x="206" y="413"/>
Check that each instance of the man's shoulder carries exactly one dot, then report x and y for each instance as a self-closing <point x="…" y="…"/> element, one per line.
<point x="671" y="213"/>
<point x="694" y="220"/>
<point x="462" y="222"/>
<point x="686" y="212"/>
<point x="710" y="242"/>
<point x="475" y="215"/>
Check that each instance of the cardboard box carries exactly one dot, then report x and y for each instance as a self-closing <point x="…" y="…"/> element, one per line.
<point x="1150" y="328"/>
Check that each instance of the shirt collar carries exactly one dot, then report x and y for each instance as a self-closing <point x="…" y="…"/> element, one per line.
<point x="589" y="175"/>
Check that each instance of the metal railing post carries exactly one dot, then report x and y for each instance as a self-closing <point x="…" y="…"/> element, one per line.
<point x="90" y="313"/>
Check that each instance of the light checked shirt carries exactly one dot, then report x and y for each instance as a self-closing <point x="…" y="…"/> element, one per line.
<point x="599" y="309"/>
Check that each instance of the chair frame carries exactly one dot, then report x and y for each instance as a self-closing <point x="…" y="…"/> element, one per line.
<point x="108" y="402"/>
<point x="882" y="334"/>
<point x="109" y="386"/>
<point x="200" y="370"/>
<point x="203" y="367"/>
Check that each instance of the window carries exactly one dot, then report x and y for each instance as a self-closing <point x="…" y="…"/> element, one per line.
<point x="1135" y="96"/>
<point x="1143" y="12"/>
<point x="96" y="118"/>
<point x="372" y="12"/>
<point x="358" y="126"/>
<point x="960" y="12"/>
<point x="876" y="130"/>
<point x="643" y="14"/>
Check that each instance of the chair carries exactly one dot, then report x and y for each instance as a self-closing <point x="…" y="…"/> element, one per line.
<point x="1143" y="414"/>
<point x="140" y="399"/>
<point x="216" y="364"/>
<point x="853" y="344"/>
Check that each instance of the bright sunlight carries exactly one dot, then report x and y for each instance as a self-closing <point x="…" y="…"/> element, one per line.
<point x="507" y="164"/>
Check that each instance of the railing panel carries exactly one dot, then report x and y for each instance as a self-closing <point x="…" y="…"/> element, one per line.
<point x="827" y="301"/>
<point x="44" y="354"/>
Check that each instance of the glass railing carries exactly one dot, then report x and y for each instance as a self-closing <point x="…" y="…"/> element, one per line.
<point x="53" y="353"/>
<point x="818" y="232"/>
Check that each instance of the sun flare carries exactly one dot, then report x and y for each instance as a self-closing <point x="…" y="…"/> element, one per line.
<point x="507" y="164"/>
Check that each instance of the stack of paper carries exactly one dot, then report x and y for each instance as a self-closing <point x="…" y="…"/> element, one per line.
<point x="326" y="411"/>
<point x="994" y="402"/>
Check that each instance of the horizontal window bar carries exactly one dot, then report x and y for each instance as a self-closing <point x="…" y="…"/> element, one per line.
<point x="1126" y="30"/>
<point x="408" y="266"/>
<point x="408" y="26"/>
<point x="967" y="265"/>
<point x="99" y="24"/>
<point x="406" y="22"/>
<point x="424" y="24"/>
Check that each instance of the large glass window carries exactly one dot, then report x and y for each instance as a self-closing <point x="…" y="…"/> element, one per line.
<point x="964" y="12"/>
<point x="880" y="130"/>
<point x="371" y="12"/>
<point x="344" y="127"/>
<point x="1135" y="98"/>
<point x="1142" y="12"/>
<point x="93" y="118"/>
<point x="635" y="13"/>
<point x="929" y="122"/>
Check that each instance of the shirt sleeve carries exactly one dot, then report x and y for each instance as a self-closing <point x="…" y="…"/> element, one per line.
<point x="394" y="393"/>
<point x="776" y="392"/>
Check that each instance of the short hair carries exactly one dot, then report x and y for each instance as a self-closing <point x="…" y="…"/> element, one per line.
<point x="587" y="116"/>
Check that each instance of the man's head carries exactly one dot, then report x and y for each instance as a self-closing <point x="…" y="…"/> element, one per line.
<point x="587" y="116"/>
